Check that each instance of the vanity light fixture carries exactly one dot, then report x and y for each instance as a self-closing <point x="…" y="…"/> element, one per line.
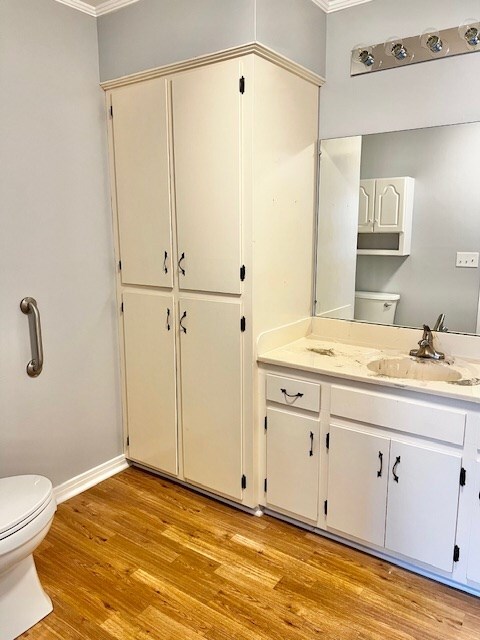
<point x="395" y="52"/>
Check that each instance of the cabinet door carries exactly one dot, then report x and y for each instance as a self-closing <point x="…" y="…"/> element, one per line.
<point x="389" y="205"/>
<point x="357" y="484"/>
<point x="150" y="379"/>
<point x="473" y="567"/>
<point x="140" y="139"/>
<point x="422" y="503"/>
<point x="366" y="206"/>
<point x="293" y="463"/>
<point x="206" y="120"/>
<point x="211" y="374"/>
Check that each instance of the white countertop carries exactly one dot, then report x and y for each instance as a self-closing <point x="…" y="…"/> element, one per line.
<point x="349" y="361"/>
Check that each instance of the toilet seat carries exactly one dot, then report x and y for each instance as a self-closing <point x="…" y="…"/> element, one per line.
<point x="22" y="499"/>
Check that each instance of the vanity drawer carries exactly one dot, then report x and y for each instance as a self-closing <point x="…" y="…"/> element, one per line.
<point x="293" y="393"/>
<point x="384" y="410"/>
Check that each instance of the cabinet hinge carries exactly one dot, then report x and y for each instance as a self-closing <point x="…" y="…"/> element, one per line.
<point x="325" y="507"/>
<point x="122" y="307"/>
<point x="265" y="423"/>
<point x="128" y="441"/>
<point x="111" y="111"/>
<point x="265" y="485"/>
<point x="244" y="481"/>
<point x="242" y="84"/>
<point x="119" y="265"/>
<point x="243" y="324"/>
<point x="327" y="441"/>
<point x="456" y="553"/>
<point x="463" y="477"/>
<point x="242" y="272"/>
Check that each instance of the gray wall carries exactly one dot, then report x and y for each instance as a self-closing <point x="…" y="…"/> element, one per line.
<point x="294" y="28"/>
<point x="55" y="245"/>
<point x="437" y="92"/>
<point x="152" y="33"/>
<point x="445" y="220"/>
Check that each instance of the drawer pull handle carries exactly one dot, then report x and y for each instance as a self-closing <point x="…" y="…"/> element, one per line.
<point x="397" y="462"/>
<point x="311" y="444"/>
<point x="380" y="471"/>
<point x="182" y="270"/>
<point x="168" y="319"/>
<point x="165" y="268"/>
<point x="291" y="395"/>
<point x="181" y="325"/>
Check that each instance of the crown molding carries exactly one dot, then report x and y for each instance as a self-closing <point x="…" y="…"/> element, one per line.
<point x="211" y="58"/>
<point x="105" y="7"/>
<point x="329" y="6"/>
<point x="112" y="5"/>
<point x="80" y="6"/>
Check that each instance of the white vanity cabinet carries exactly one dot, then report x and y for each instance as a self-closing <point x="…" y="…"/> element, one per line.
<point x="473" y="567"/>
<point x="208" y="224"/>
<point x="395" y="490"/>
<point x="292" y="447"/>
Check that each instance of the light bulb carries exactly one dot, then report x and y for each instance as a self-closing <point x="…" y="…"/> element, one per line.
<point x="470" y="32"/>
<point x="432" y="42"/>
<point x="395" y="48"/>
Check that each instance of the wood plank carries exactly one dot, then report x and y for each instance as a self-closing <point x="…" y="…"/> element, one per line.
<point x="140" y="557"/>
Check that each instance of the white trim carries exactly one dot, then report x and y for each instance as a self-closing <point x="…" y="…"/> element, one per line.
<point x="89" y="478"/>
<point x="80" y="6"/>
<point x="211" y="58"/>
<point x="112" y="5"/>
<point x="329" y="6"/>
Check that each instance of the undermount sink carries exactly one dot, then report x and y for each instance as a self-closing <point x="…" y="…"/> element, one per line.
<point x="414" y="369"/>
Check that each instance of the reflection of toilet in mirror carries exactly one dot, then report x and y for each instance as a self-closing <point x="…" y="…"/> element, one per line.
<point x="372" y="306"/>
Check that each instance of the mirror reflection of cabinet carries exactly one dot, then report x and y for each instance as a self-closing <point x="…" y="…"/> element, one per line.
<point x="385" y="207"/>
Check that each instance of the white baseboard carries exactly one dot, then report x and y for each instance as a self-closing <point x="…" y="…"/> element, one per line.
<point x="89" y="478"/>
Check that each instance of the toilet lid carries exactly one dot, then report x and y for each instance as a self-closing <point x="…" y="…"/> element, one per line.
<point x="21" y="498"/>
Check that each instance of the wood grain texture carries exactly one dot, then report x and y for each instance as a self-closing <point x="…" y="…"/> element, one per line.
<point x="139" y="557"/>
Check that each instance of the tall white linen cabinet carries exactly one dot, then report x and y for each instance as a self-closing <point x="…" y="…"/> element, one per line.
<point x="213" y="171"/>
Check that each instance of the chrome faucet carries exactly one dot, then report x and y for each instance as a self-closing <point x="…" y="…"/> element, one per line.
<point x="426" y="349"/>
<point x="440" y="323"/>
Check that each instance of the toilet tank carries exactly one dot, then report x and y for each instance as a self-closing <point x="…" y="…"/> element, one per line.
<point x="372" y="306"/>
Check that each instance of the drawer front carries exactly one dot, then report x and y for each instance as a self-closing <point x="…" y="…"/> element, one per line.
<point x="293" y="393"/>
<point x="383" y="410"/>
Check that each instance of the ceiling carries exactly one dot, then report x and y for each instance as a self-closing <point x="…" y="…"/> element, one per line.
<point x="100" y="7"/>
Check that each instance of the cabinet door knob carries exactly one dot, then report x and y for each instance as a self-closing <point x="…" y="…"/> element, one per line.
<point x="182" y="270"/>
<point x="397" y="462"/>
<point x="380" y="471"/>
<point x="184" y="315"/>
<point x="291" y="395"/>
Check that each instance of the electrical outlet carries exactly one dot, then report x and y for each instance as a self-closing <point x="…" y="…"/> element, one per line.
<point x="468" y="259"/>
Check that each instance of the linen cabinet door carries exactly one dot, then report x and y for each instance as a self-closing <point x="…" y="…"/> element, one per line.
<point x="293" y="463"/>
<point x="389" y="205"/>
<point x="366" y="206"/>
<point x="357" y="483"/>
<point x="422" y="503"/>
<point x="142" y="176"/>
<point x="206" y="121"/>
<point x="150" y="379"/>
<point x="211" y="375"/>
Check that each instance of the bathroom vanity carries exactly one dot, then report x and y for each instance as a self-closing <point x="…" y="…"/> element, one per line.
<point x="387" y="464"/>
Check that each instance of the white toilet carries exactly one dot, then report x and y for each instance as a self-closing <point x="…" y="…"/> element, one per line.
<point x="27" y="507"/>
<point x="372" y="306"/>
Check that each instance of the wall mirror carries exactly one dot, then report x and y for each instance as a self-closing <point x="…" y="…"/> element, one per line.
<point x="399" y="217"/>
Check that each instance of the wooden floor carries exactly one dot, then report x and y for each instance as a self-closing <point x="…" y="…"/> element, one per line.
<point x="140" y="557"/>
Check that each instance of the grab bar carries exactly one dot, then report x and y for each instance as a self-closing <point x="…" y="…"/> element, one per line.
<point x="30" y="308"/>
